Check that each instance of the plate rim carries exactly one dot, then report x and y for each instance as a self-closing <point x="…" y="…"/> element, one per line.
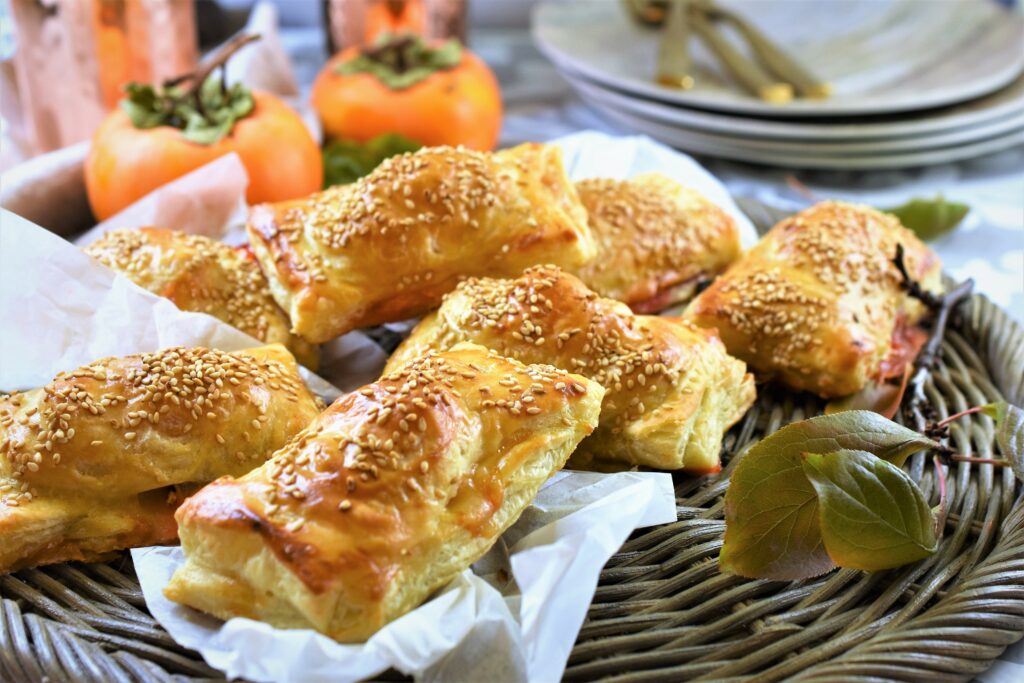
<point x="844" y="162"/>
<point x="801" y="108"/>
<point x="895" y="144"/>
<point x="813" y="131"/>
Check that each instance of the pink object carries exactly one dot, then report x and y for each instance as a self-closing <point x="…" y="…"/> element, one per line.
<point x="74" y="56"/>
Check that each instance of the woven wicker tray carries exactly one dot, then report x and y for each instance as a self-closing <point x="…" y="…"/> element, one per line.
<point x="662" y="611"/>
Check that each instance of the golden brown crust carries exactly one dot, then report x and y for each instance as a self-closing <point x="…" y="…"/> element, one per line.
<point x="672" y="391"/>
<point x="88" y="461"/>
<point x="652" y="235"/>
<point x="392" y="491"/>
<point x="202" y="275"/>
<point x="817" y="302"/>
<point x="389" y="246"/>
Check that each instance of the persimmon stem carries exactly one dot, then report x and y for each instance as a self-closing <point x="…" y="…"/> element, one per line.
<point x="957" y="416"/>
<point x="393" y="53"/>
<point x="218" y="60"/>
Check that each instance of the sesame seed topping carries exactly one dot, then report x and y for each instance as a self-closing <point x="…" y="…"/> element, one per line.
<point x="202" y="274"/>
<point x="130" y="398"/>
<point x="843" y="253"/>
<point x="388" y="434"/>
<point x="657" y="224"/>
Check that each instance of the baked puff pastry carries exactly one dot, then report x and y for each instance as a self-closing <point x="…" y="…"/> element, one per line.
<point x="96" y="460"/>
<point x="672" y="390"/>
<point x="387" y="496"/>
<point x="818" y="302"/>
<point x="656" y="240"/>
<point x="202" y="275"/>
<point x="389" y="246"/>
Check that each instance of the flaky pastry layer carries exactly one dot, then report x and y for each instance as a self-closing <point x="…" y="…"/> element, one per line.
<point x="388" y="495"/>
<point x="818" y="302"/>
<point x="99" y="458"/>
<point x="672" y="390"/>
<point x="390" y="245"/>
<point x="202" y="275"/>
<point x="653" y="236"/>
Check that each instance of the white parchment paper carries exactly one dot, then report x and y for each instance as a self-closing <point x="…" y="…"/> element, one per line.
<point x="479" y="628"/>
<point x="64" y="310"/>
<point x="61" y="309"/>
<point x="208" y="201"/>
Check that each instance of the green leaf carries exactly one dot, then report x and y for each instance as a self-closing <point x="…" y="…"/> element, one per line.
<point x="401" y="62"/>
<point x="204" y="133"/>
<point x="205" y="122"/>
<point x="346" y="161"/>
<point x="1009" y="421"/>
<point x="142" y="106"/>
<point x="930" y="218"/>
<point x="240" y="101"/>
<point x="873" y="516"/>
<point x="771" y="510"/>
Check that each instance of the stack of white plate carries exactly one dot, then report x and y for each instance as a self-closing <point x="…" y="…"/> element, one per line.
<point x="915" y="82"/>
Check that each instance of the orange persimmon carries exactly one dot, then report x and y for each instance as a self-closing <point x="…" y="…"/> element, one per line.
<point x="439" y="94"/>
<point x="126" y="163"/>
<point x="159" y="135"/>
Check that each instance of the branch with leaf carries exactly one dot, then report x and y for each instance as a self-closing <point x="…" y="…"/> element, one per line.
<point x="830" y="491"/>
<point x="205" y="110"/>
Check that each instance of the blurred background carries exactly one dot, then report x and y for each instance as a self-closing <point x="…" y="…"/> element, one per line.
<point x="910" y="105"/>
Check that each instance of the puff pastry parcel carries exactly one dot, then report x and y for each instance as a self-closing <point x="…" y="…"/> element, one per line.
<point x="388" y="495"/>
<point x="818" y="302"/>
<point x="656" y="240"/>
<point x="202" y="275"/>
<point x="389" y="246"/>
<point x="97" y="459"/>
<point x="672" y="390"/>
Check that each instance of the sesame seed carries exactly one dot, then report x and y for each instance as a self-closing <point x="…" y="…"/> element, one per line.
<point x="244" y="300"/>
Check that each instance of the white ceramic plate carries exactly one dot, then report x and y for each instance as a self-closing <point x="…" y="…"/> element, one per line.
<point x="974" y="114"/>
<point x="737" y="136"/>
<point x="700" y="143"/>
<point x="881" y="56"/>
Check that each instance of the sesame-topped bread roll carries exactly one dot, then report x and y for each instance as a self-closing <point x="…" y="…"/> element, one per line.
<point x="672" y="390"/>
<point x="656" y="240"/>
<point x="202" y="275"/>
<point x="97" y="459"/>
<point x="390" y="245"/>
<point x="386" y="497"/>
<point x="818" y="303"/>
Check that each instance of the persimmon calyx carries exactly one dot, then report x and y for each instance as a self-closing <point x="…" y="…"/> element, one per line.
<point x="199" y="104"/>
<point x="401" y="61"/>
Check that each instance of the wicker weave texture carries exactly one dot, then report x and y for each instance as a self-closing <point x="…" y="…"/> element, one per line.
<point x="663" y="611"/>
